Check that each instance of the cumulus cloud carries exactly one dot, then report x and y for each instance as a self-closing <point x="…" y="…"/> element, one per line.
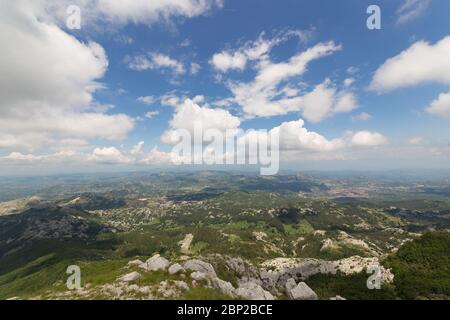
<point x="188" y="114"/>
<point x="324" y="101"/>
<point x="108" y="155"/>
<point x="367" y="139"/>
<point x="363" y="116"/>
<point x="98" y="156"/>
<point x="151" y="114"/>
<point x="122" y="12"/>
<point x="156" y="156"/>
<point x="421" y="63"/>
<point x="225" y="61"/>
<point x="49" y="96"/>
<point x="441" y="106"/>
<point x="275" y="89"/>
<point x="261" y="97"/>
<point x="294" y="136"/>
<point x="155" y="61"/>
<point x="147" y="12"/>
<point x="148" y="100"/>
<point x="415" y="141"/>
<point x="349" y="81"/>
<point x="195" y="68"/>
<point x="412" y="9"/>
<point x="250" y="51"/>
<point x="299" y="143"/>
<point x="254" y="50"/>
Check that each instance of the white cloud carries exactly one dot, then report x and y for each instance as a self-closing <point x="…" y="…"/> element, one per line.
<point x="254" y="50"/>
<point x="261" y="97"/>
<point x="148" y="12"/>
<point x="225" y="61"/>
<point x="189" y="113"/>
<point x="17" y="156"/>
<point x="275" y="89"/>
<point x="415" y="140"/>
<point x="349" y="81"/>
<point x="151" y="114"/>
<point x="195" y="68"/>
<point x="367" y="139"/>
<point x="158" y="157"/>
<point x="294" y="136"/>
<point x="317" y="104"/>
<point x="171" y="99"/>
<point x="441" y="106"/>
<point x="324" y="101"/>
<point x="155" y="61"/>
<point x="109" y="155"/>
<point x="124" y="40"/>
<point x="299" y="143"/>
<point x="363" y="116"/>
<point x="421" y="63"/>
<point x="101" y="155"/>
<point x="148" y="100"/>
<point x="48" y="78"/>
<point x="412" y="9"/>
<point x="237" y="59"/>
<point x="137" y="149"/>
<point x="352" y="70"/>
<point x="345" y="102"/>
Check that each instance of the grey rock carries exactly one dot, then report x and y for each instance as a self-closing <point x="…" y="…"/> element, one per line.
<point x="181" y="285"/>
<point x="201" y="266"/>
<point x="167" y="290"/>
<point x="133" y="287"/>
<point x="145" y="289"/>
<point x="155" y="263"/>
<point x="223" y="286"/>
<point x="197" y="276"/>
<point x="136" y="262"/>
<point x="301" y="292"/>
<point x="242" y="268"/>
<point x="175" y="268"/>
<point x="130" y="277"/>
<point x="253" y="291"/>
<point x="338" y="298"/>
<point x="290" y="284"/>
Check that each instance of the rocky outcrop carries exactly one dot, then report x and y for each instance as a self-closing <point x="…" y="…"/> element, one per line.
<point x="200" y="266"/>
<point x="253" y="291"/>
<point x="135" y="263"/>
<point x="198" y="276"/>
<point x="274" y="273"/>
<point x="130" y="277"/>
<point x="299" y="291"/>
<point x="175" y="268"/>
<point x="223" y="287"/>
<point x="155" y="263"/>
<point x="243" y="269"/>
<point x="186" y="243"/>
<point x="172" y="288"/>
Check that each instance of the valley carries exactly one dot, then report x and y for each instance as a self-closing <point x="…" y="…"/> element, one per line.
<point x="221" y="235"/>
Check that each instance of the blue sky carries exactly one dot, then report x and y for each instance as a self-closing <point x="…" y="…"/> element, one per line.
<point x="168" y="49"/>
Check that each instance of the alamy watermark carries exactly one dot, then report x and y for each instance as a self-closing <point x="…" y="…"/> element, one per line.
<point x="73" y="21"/>
<point x="74" y="280"/>
<point x="374" y="20"/>
<point x="374" y="281"/>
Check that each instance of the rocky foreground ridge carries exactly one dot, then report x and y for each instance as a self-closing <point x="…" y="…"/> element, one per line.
<point x="274" y="279"/>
